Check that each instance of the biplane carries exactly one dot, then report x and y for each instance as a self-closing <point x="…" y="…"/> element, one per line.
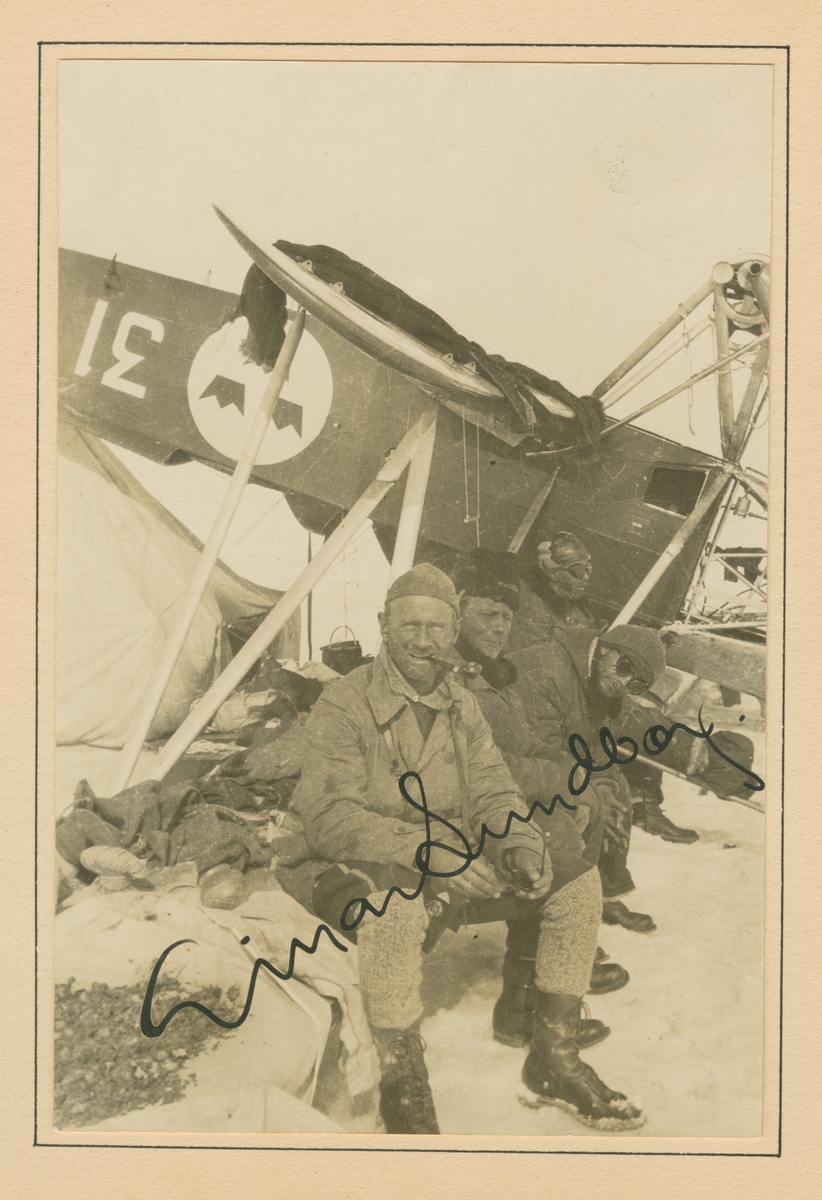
<point x="354" y="403"/>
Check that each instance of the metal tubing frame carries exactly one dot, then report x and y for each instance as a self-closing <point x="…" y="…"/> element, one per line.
<point x="655" y="338"/>
<point x="682" y="387"/>
<point x="758" y="490"/>
<point x="708" y="626"/>
<point x="760" y="285"/>
<point x="724" y="384"/>
<point x="416" y="485"/>
<point x="199" y="582"/>
<point x="707" y="559"/>
<point x="288" y="604"/>
<point x="681" y="344"/>
<point x="752" y="586"/>
<point x="739" y="434"/>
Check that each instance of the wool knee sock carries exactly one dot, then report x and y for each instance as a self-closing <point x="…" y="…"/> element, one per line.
<point x="389" y="949"/>
<point x="568" y="936"/>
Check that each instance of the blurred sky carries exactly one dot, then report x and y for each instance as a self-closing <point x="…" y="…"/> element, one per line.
<point x="554" y="213"/>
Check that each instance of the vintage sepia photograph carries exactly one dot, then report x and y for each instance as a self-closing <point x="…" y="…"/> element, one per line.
<point x="412" y="594"/>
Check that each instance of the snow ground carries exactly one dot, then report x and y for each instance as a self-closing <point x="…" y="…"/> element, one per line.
<point x="686" y="1032"/>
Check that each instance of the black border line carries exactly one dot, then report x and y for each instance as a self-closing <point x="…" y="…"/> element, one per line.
<point x="37" y="580"/>
<point x="481" y="45"/>
<point x="411" y="1149"/>
<point x="784" y="594"/>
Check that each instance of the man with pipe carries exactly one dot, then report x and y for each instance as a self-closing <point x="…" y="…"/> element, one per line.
<point x="406" y="713"/>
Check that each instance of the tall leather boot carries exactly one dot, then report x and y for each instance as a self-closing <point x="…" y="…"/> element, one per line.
<point x="513" y="1011"/>
<point x="406" y="1103"/>
<point x="554" y="1074"/>
<point x="649" y="816"/>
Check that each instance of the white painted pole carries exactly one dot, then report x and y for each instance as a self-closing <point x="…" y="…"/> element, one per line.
<point x="288" y="604"/>
<point x="671" y="551"/>
<point x="416" y="484"/>
<point x="210" y="552"/>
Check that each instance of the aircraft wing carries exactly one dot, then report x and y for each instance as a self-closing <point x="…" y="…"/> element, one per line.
<point x="155" y="364"/>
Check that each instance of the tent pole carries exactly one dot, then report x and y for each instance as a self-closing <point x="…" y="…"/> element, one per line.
<point x="288" y="604"/>
<point x="309" y="611"/>
<point x="672" y="550"/>
<point x="199" y="582"/>
<point x="413" y="500"/>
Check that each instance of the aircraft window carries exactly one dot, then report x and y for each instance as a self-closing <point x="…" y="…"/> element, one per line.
<point x="674" y="489"/>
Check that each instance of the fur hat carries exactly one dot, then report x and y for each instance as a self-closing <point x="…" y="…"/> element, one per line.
<point x="491" y="574"/>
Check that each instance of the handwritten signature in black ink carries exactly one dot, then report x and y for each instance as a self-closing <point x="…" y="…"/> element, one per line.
<point x="655" y="741"/>
<point x="422" y="859"/>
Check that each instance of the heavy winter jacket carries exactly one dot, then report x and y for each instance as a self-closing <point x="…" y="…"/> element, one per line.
<point x="541" y="614"/>
<point x="571" y="853"/>
<point x="553" y="684"/>
<point x="363" y="734"/>
<point x="504" y="710"/>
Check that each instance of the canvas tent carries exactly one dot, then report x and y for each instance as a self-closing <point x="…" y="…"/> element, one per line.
<point x="123" y="563"/>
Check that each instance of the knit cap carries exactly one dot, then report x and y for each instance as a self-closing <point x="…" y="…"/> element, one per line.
<point x="642" y="645"/>
<point x="425" y="580"/>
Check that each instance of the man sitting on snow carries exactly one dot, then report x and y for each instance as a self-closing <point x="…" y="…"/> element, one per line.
<point x="405" y="713"/>
<point x="552" y="596"/>
<point x="575" y="684"/>
<point x="490" y="590"/>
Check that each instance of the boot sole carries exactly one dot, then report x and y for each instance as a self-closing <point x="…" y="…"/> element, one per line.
<point x="582" y="1046"/>
<point x="615" y="986"/>
<point x="517" y="1041"/>
<point x="613" y="1124"/>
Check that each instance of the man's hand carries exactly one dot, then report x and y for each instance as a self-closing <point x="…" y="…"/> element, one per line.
<point x="616" y="804"/>
<point x="478" y="881"/>
<point x="530" y="872"/>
